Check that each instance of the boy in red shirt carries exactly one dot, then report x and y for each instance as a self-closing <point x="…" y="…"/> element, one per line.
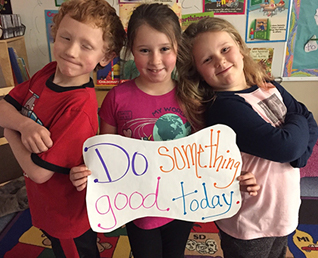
<point x="60" y="100"/>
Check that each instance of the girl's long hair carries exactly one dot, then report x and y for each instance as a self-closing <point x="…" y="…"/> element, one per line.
<point x="163" y="19"/>
<point x="191" y="83"/>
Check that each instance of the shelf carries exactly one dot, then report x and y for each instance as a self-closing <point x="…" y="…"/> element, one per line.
<point x="9" y="167"/>
<point x="18" y="44"/>
<point x="5" y="90"/>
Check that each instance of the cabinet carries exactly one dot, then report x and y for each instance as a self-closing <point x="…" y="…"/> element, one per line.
<point x="18" y="44"/>
<point x="9" y="167"/>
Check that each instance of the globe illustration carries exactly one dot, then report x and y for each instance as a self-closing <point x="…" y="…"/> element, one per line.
<point x="170" y="127"/>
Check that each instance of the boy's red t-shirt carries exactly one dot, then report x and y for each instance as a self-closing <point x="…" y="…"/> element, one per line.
<point x="70" y="114"/>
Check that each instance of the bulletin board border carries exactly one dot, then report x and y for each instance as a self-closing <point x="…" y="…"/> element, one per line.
<point x="290" y="74"/>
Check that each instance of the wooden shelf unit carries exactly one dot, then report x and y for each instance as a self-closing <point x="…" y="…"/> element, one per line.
<point x="9" y="167"/>
<point x="18" y="44"/>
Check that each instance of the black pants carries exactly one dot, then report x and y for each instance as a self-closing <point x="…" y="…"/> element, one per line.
<point x="266" y="247"/>
<point x="84" y="246"/>
<point x="167" y="241"/>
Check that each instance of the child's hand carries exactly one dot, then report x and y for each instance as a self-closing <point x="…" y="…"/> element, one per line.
<point x="248" y="183"/>
<point x="35" y="137"/>
<point x="78" y="177"/>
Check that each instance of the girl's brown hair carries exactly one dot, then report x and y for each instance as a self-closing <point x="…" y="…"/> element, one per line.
<point x="159" y="17"/>
<point x="163" y="19"/>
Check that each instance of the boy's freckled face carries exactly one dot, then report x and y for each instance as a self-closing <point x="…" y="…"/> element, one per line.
<point x="78" y="48"/>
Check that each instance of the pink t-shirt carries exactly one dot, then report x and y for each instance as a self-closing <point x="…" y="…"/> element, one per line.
<point x="139" y="115"/>
<point x="277" y="202"/>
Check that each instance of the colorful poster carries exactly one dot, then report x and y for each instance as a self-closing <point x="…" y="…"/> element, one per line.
<point x="263" y="56"/>
<point x="125" y="10"/>
<point x="187" y="19"/>
<point x="109" y="75"/>
<point x="5" y="7"/>
<point x="143" y="1"/>
<point x="49" y="14"/>
<point x="59" y="2"/>
<point x="267" y="20"/>
<point x="224" y="6"/>
<point x="302" y="49"/>
<point x="191" y="178"/>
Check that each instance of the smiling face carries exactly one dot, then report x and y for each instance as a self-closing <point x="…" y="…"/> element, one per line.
<point x="78" y="48"/>
<point x="219" y="61"/>
<point x="154" y="56"/>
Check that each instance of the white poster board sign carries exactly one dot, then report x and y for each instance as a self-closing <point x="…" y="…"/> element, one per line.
<point x="192" y="178"/>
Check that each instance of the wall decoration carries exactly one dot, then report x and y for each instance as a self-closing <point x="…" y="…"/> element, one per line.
<point x="224" y="7"/>
<point x="49" y="14"/>
<point x="267" y="20"/>
<point x="302" y="54"/>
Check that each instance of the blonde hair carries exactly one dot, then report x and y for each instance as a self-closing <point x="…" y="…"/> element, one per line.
<point x="190" y="79"/>
<point x="98" y="12"/>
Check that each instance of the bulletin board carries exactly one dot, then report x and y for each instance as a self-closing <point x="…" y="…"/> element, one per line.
<point x="243" y="14"/>
<point x="302" y="48"/>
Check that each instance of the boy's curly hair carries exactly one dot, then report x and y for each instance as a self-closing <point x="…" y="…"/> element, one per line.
<point x="98" y="12"/>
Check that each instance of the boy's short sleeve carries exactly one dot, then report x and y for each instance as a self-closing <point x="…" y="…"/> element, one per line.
<point x="68" y="134"/>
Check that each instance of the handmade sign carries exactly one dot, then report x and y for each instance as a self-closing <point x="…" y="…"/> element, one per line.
<point x="192" y="178"/>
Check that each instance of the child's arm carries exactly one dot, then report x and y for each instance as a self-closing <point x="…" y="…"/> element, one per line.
<point x="257" y="137"/>
<point x="248" y="183"/>
<point x="35" y="173"/>
<point x="293" y="106"/>
<point x="78" y="175"/>
<point x="35" y="137"/>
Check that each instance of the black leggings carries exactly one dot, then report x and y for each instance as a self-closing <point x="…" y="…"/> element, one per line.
<point x="84" y="246"/>
<point x="167" y="241"/>
<point x="265" y="247"/>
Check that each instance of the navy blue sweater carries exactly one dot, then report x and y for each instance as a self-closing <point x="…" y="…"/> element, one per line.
<point x="292" y="142"/>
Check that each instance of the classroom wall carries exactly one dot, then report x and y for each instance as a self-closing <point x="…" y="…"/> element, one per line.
<point x="32" y="14"/>
<point x="305" y="92"/>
